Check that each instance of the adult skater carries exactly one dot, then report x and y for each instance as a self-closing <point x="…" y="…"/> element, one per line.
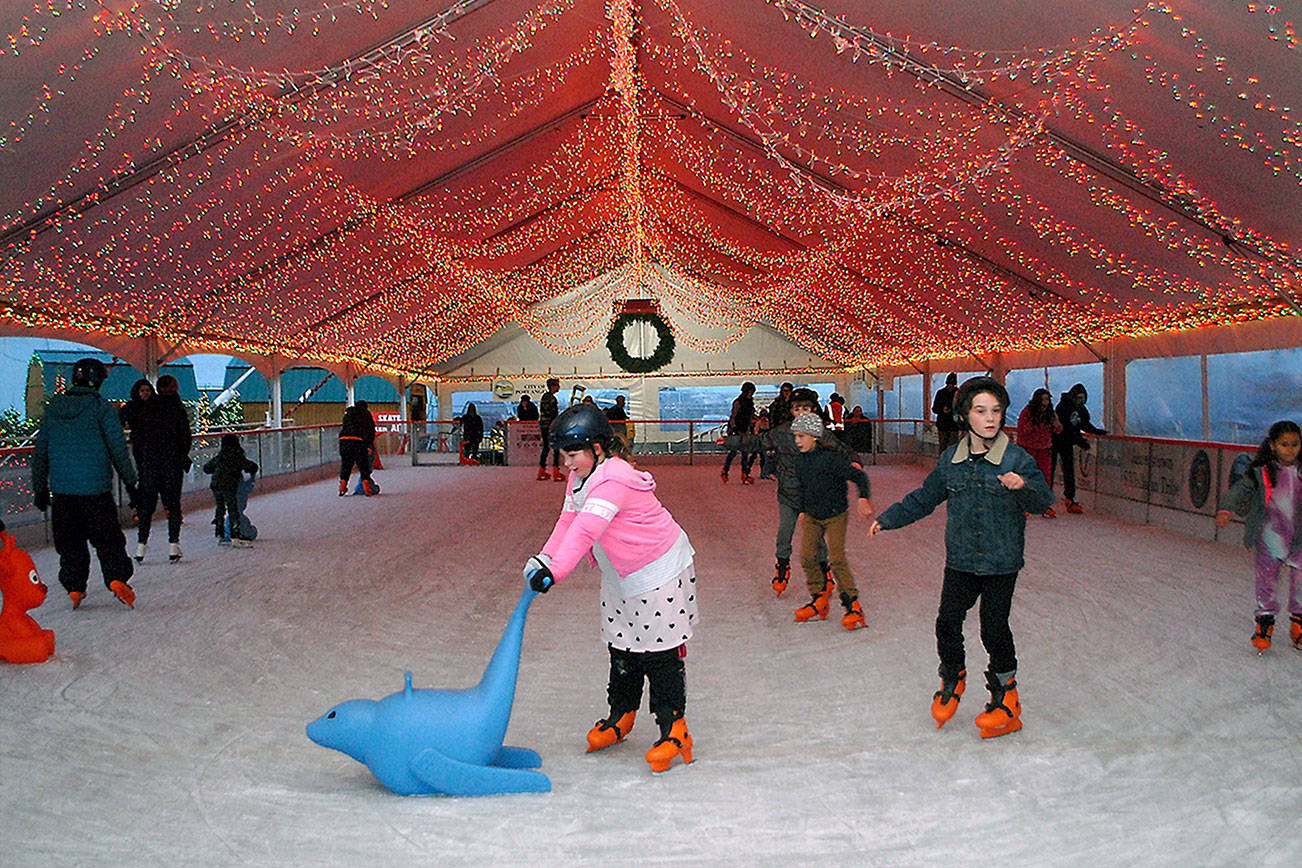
<point x="548" y="409"/>
<point x="356" y="440"/>
<point x="780" y="412"/>
<point x="1075" y="418"/>
<point x="942" y="407"/>
<point x="991" y="484"/>
<point x="78" y="446"/>
<point x="741" y="420"/>
<point x="472" y="431"/>
<point x="648" y="580"/>
<point x="160" y="440"/>
<point x="1270" y="496"/>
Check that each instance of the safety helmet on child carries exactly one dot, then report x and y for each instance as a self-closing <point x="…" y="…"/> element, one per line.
<point x="579" y="426"/>
<point x="970" y="389"/>
<point x="89" y="372"/>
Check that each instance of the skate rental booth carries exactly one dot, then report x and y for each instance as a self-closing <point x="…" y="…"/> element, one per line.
<point x="478" y="195"/>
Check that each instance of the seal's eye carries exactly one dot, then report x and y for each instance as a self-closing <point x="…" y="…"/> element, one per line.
<point x="330" y="716"/>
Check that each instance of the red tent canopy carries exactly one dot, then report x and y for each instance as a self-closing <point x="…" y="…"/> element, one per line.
<point x="390" y="184"/>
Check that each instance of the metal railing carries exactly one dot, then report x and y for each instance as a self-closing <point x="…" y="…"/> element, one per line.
<point x="276" y="451"/>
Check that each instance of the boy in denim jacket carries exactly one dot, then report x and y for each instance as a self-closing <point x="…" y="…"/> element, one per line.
<point x="991" y="484"/>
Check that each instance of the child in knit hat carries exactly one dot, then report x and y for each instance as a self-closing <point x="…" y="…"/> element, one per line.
<point x="823" y="474"/>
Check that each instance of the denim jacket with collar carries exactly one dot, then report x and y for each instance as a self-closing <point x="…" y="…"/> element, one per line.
<point x="985" y="532"/>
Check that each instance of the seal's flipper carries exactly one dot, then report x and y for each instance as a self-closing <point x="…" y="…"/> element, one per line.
<point x="517" y="758"/>
<point x="447" y="775"/>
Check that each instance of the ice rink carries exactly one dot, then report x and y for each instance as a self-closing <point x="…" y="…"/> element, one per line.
<point x="174" y="734"/>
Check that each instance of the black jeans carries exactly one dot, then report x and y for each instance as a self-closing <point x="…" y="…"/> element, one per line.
<point x="958" y="594"/>
<point x="1067" y="454"/>
<point x="547" y="445"/>
<point x="159" y="483"/>
<point x="81" y="519"/>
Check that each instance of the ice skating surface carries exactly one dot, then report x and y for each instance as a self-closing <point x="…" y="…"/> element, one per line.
<point x="174" y="734"/>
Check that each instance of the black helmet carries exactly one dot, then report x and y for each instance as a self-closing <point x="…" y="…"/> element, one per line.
<point x="973" y="387"/>
<point x="579" y="427"/>
<point x="89" y="372"/>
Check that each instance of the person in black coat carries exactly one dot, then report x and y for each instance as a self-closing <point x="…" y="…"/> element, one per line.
<point x="942" y="407"/>
<point x="160" y="442"/>
<point x="228" y="467"/>
<point x="740" y="421"/>
<point x="356" y="440"/>
<point x="1075" y="418"/>
<point x="472" y="431"/>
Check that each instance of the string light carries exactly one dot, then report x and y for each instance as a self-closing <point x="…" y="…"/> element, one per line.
<point x="851" y="219"/>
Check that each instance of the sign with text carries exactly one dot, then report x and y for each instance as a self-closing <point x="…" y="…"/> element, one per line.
<point x="523" y="442"/>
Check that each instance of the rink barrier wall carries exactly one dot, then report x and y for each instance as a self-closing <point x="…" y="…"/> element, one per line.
<point x="1175" y="484"/>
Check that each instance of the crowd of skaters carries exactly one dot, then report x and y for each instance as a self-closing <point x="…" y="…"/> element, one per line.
<point x="990" y="484"/>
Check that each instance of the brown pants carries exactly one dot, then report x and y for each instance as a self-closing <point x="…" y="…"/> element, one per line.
<point x="814" y="530"/>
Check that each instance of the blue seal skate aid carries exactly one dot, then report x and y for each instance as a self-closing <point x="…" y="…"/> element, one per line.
<point x="446" y="742"/>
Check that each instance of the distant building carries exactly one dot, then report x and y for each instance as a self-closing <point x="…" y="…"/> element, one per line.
<point x="325" y="394"/>
<point x="50" y="371"/>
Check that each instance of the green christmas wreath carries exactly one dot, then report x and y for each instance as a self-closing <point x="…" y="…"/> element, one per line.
<point x="663" y="354"/>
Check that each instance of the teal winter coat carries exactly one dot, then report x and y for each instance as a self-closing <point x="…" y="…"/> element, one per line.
<point x="79" y="444"/>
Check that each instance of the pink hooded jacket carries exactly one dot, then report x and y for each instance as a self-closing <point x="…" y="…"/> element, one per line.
<point x="621" y="510"/>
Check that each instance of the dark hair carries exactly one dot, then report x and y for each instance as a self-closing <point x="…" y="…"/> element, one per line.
<point x="1045" y="416"/>
<point x="231" y="442"/>
<point x="967" y="393"/>
<point x="167" y="385"/>
<point x="1265" y="456"/>
<point x="951" y="379"/>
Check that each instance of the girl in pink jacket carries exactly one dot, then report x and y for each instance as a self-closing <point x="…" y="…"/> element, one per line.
<point x="611" y="518"/>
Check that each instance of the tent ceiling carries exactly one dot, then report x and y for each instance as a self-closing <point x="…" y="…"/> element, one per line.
<point x="392" y="182"/>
